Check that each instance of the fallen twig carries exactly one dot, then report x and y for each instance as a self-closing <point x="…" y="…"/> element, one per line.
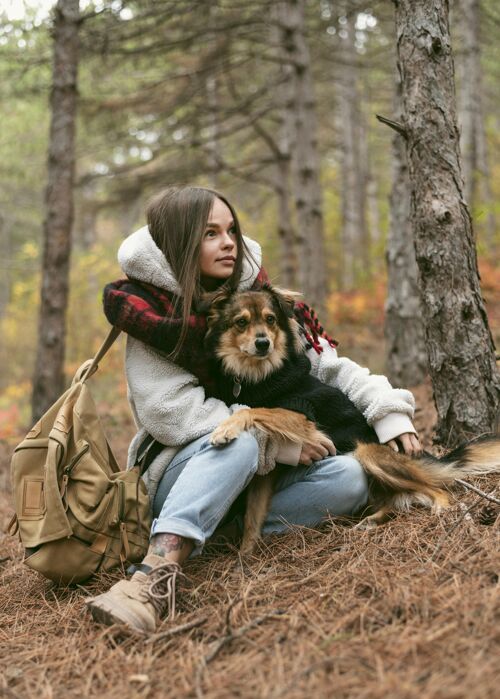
<point x="326" y="663"/>
<point x="487" y="496"/>
<point x="450" y="531"/>
<point x="219" y="643"/>
<point x="238" y="633"/>
<point x="176" y="629"/>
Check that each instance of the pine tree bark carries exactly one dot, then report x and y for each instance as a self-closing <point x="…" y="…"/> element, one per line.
<point x="404" y="328"/>
<point x="48" y="382"/>
<point x="306" y="166"/>
<point x="459" y="343"/>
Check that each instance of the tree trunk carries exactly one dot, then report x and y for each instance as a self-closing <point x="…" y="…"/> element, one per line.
<point x="476" y="171"/>
<point x="6" y="257"/>
<point x="286" y="230"/>
<point x="354" y="228"/>
<point x="213" y="100"/>
<point x="285" y="92"/>
<point x="48" y="381"/>
<point x="404" y="329"/>
<point x="459" y="343"/>
<point x="306" y="167"/>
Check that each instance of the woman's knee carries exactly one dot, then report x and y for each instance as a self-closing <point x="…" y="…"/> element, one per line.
<point x="357" y="484"/>
<point x="347" y="480"/>
<point x="245" y="451"/>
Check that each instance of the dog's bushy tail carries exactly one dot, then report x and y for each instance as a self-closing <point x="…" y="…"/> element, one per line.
<point x="400" y="472"/>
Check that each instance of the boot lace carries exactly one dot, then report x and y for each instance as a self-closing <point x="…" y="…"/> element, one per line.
<point x="161" y="592"/>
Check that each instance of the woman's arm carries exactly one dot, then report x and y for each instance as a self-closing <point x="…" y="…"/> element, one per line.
<point x="167" y="400"/>
<point x="389" y="410"/>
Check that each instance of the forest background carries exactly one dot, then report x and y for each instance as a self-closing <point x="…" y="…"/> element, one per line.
<point x="197" y="92"/>
<point x="193" y="93"/>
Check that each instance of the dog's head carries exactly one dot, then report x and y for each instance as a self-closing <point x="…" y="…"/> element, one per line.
<point x="253" y="332"/>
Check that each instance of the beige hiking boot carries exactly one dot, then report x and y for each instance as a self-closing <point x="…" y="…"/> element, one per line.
<point x="141" y="601"/>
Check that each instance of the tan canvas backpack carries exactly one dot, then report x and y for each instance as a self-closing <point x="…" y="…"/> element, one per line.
<point x="76" y="512"/>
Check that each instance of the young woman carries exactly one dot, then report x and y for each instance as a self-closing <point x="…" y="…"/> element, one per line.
<point x="193" y="243"/>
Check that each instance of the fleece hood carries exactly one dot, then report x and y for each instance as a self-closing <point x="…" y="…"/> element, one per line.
<point x="141" y="259"/>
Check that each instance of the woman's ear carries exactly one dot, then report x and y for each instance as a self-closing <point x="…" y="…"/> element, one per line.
<point x="285" y="298"/>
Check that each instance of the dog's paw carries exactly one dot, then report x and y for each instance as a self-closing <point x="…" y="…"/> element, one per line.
<point x="366" y="524"/>
<point x="224" y="433"/>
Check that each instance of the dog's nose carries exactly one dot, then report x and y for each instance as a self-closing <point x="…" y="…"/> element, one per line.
<point x="262" y="345"/>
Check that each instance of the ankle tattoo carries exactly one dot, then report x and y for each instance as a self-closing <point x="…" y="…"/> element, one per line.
<point x="162" y="544"/>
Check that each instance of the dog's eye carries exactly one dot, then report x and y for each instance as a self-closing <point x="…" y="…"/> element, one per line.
<point x="241" y="322"/>
<point x="270" y="320"/>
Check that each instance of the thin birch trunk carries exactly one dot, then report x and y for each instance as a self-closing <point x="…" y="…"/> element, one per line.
<point x="48" y="381"/>
<point x="459" y="343"/>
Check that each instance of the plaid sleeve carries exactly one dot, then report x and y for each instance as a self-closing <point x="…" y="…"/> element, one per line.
<point x="148" y="315"/>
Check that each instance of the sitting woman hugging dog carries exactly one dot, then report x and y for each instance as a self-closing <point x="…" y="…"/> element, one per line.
<point x="193" y="245"/>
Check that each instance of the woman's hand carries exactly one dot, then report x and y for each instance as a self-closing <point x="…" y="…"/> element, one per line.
<point x="315" y="452"/>
<point x="409" y="442"/>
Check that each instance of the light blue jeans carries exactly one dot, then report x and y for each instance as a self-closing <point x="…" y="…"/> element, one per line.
<point x="202" y="481"/>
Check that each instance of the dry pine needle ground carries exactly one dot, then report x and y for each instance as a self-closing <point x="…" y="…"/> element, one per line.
<point x="406" y="610"/>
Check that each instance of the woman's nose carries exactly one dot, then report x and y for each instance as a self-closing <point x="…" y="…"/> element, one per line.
<point x="228" y="241"/>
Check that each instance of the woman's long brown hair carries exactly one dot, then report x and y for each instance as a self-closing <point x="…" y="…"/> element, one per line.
<point x="177" y="219"/>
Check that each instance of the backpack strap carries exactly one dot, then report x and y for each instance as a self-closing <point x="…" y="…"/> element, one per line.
<point x="147" y="452"/>
<point x="91" y="366"/>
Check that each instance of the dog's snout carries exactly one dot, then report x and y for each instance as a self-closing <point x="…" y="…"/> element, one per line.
<point x="262" y="344"/>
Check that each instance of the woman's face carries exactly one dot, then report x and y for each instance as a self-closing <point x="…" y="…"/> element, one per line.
<point x="218" y="246"/>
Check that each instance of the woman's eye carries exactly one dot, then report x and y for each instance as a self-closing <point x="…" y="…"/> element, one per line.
<point x="210" y="234"/>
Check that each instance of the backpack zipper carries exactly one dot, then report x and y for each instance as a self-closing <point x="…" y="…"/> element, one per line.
<point x="67" y="472"/>
<point x="76" y="459"/>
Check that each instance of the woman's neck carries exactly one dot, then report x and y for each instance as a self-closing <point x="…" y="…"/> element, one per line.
<point x="211" y="283"/>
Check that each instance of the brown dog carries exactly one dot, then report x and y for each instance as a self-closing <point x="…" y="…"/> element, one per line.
<point x="260" y="360"/>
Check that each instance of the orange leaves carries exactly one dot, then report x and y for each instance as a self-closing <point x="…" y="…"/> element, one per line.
<point x="490" y="279"/>
<point x="363" y="306"/>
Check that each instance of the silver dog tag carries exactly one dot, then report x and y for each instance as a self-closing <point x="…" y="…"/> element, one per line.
<point x="236" y="388"/>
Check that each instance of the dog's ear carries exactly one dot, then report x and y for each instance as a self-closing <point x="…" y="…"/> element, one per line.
<point x="213" y="300"/>
<point x="285" y="299"/>
<point x="212" y="303"/>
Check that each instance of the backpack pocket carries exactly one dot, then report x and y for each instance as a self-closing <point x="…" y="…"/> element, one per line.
<point x="32" y="504"/>
<point x="66" y="561"/>
<point x="87" y="486"/>
<point x="40" y="512"/>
